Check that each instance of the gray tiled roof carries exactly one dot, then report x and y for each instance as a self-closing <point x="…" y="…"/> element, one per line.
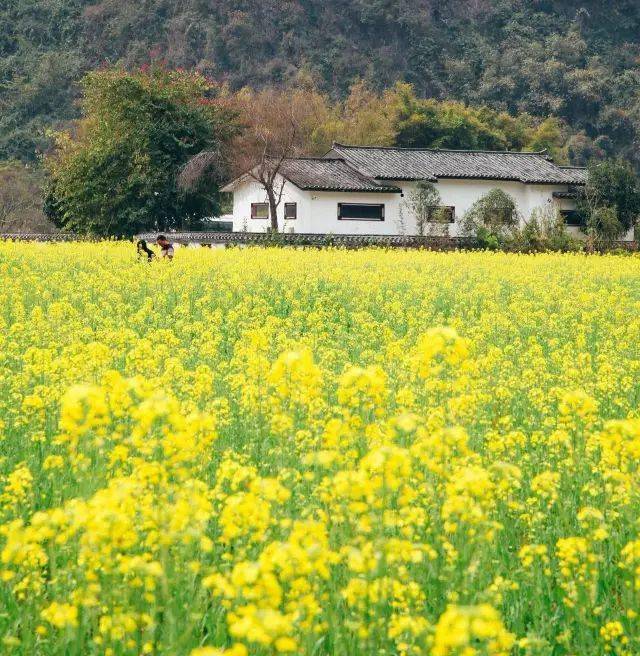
<point x="329" y="174"/>
<point x="425" y="164"/>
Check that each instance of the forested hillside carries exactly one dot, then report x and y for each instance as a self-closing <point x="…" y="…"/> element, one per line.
<point x="574" y="59"/>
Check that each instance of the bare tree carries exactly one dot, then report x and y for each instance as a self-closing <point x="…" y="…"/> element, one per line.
<point x="21" y="200"/>
<point x="276" y="124"/>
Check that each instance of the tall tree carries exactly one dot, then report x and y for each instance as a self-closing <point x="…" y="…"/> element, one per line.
<point x="366" y="118"/>
<point x="115" y="174"/>
<point x="277" y="125"/>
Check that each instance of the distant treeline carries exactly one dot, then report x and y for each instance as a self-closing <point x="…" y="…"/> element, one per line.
<point x="115" y="168"/>
<point x="571" y="61"/>
<point x="152" y="146"/>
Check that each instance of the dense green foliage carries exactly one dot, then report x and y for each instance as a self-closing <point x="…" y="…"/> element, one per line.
<point x="451" y="124"/>
<point x="614" y="184"/>
<point x="117" y="174"/>
<point x="571" y="59"/>
<point x="397" y="116"/>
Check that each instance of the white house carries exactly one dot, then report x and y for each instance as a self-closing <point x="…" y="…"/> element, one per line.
<point x="367" y="190"/>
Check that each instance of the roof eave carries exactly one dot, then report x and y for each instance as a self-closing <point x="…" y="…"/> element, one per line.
<point x="421" y="178"/>
<point x="381" y="190"/>
<point x="566" y="195"/>
<point x="572" y="183"/>
<point x="231" y="186"/>
<point x="540" y="153"/>
<point x="530" y="181"/>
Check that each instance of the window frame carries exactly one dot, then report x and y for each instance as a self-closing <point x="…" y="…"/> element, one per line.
<point x="450" y="209"/>
<point x="259" y="218"/>
<point x="295" y="211"/>
<point x="573" y="213"/>
<point x="349" y="218"/>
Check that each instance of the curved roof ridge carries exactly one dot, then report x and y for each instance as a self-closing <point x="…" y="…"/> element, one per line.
<point x="543" y="152"/>
<point x="318" y="157"/>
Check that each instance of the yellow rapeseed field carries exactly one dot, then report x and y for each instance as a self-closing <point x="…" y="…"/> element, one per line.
<point x="257" y="452"/>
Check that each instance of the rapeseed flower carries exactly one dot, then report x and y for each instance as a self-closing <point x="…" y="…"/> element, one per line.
<point x="317" y="452"/>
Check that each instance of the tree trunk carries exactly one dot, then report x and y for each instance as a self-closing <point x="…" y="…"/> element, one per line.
<point x="273" y="210"/>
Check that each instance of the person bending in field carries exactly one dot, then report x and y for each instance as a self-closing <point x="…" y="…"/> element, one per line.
<point x="144" y="250"/>
<point x="166" y="247"/>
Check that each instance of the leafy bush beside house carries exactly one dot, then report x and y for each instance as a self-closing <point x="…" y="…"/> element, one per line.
<point x="545" y="230"/>
<point x="495" y="223"/>
<point x="492" y="219"/>
<point x="604" y="226"/>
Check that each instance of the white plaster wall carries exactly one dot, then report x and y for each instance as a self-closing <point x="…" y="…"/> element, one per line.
<point x="462" y="194"/>
<point x="318" y="211"/>
<point x="323" y="214"/>
<point x="249" y="191"/>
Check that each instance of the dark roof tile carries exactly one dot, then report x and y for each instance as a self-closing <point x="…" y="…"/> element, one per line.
<point x="330" y="174"/>
<point x="426" y="164"/>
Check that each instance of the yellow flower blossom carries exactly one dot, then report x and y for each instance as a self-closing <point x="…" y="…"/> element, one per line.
<point x="318" y="451"/>
<point x="60" y="615"/>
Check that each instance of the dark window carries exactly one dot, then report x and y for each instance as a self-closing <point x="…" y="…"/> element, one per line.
<point x="259" y="210"/>
<point x="361" y="211"/>
<point x="290" y="211"/>
<point x="571" y="217"/>
<point x="441" y="214"/>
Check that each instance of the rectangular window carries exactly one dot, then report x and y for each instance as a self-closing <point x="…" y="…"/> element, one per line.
<point x="441" y="214"/>
<point x="290" y="211"/>
<point x="259" y="210"/>
<point x="361" y="211"/>
<point x="571" y="217"/>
